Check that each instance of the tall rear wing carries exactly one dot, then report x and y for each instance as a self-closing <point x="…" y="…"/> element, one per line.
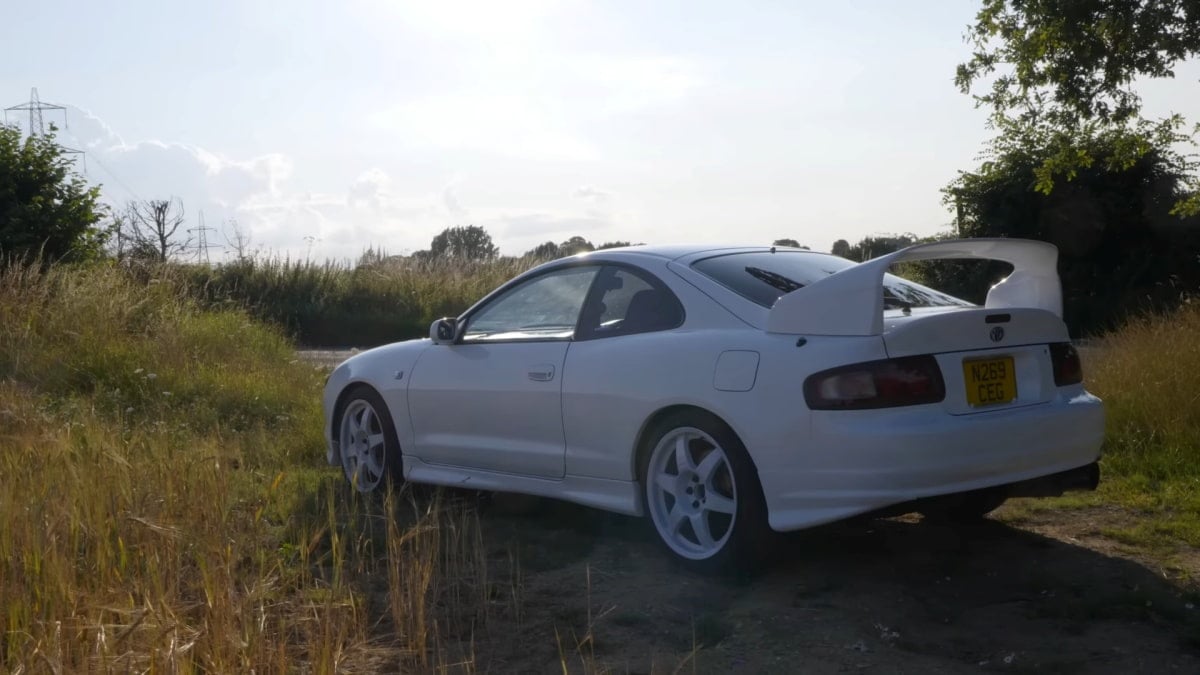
<point x="850" y="302"/>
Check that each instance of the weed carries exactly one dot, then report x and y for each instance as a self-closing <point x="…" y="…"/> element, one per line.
<point x="165" y="505"/>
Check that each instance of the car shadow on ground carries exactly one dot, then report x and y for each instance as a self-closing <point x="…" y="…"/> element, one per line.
<point x="597" y="592"/>
<point x="895" y="595"/>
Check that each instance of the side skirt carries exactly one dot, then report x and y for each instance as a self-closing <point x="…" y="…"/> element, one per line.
<point x="618" y="496"/>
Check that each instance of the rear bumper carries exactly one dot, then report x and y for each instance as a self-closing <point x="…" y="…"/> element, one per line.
<point x="858" y="462"/>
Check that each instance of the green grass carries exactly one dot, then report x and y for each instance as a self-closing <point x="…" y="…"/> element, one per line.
<point x="331" y="304"/>
<point x="1146" y="374"/>
<point x="165" y="505"/>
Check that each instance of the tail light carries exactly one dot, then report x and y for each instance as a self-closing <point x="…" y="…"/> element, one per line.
<point x="912" y="380"/>
<point x="1067" y="367"/>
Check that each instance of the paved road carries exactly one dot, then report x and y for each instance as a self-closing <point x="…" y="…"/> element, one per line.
<point x="328" y="357"/>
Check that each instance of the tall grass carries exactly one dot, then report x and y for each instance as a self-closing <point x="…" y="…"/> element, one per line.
<point x="1146" y="374"/>
<point x="332" y="304"/>
<point x="163" y="505"/>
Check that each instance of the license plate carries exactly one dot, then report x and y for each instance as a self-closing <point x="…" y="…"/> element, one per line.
<point x="990" y="381"/>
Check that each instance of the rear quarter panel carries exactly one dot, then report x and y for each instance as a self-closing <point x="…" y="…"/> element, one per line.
<point x="612" y="387"/>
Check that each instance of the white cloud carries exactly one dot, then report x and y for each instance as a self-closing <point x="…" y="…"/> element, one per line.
<point x="369" y="190"/>
<point x="258" y="193"/>
<point x="524" y="230"/>
<point x="373" y="209"/>
<point x="509" y="22"/>
<point x="633" y="83"/>
<point x="506" y="124"/>
<point x="451" y="202"/>
<point x="593" y="196"/>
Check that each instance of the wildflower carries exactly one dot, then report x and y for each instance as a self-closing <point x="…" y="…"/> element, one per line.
<point x="151" y="376"/>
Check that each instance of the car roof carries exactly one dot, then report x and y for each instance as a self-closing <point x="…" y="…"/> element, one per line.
<point x="677" y="251"/>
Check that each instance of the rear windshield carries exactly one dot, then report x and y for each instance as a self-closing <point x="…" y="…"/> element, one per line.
<point x="762" y="277"/>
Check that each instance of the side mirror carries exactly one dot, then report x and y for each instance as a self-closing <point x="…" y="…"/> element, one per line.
<point x="444" y="331"/>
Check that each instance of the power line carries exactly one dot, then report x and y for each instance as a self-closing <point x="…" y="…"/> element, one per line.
<point x="115" y="177"/>
<point x="37" y="127"/>
<point x="202" y="245"/>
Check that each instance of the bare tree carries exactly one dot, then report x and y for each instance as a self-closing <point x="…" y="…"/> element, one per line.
<point x="155" y="223"/>
<point x="119" y="231"/>
<point x="238" y="238"/>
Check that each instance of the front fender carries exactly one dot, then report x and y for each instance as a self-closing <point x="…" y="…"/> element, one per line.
<point x="386" y="369"/>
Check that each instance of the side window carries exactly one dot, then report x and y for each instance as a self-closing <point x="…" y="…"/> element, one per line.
<point x="624" y="303"/>
<point x="543" y="308"/>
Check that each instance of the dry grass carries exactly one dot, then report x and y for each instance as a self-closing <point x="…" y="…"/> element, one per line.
<point x="164" y="506"/>
<point x="331" y="304"/>
<point x="1146" y="374"/>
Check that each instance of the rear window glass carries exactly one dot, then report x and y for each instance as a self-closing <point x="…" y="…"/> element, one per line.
<point x="762" y="277"/>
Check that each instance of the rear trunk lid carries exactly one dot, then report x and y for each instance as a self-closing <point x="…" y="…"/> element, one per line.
<point x="953" y="329"/>
<point x="990" y="359"/>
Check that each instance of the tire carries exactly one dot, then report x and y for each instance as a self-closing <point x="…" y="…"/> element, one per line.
<point x="367" y="442"/>
<point x="702" y="494"/>
<point x="964" y="509"/>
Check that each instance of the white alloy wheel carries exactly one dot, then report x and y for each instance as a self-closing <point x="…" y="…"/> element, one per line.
<point x="691" y="493"/>
<point x="363" y="446"/>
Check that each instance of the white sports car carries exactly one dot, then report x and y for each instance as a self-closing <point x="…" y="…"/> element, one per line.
<point x="729" y="392"/>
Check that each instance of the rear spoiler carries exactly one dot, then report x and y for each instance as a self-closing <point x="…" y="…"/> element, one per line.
<point x="850" y="302"/>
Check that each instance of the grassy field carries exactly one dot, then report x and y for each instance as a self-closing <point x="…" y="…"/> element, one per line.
<point x="165" y="505"/>
<point x="1146" y="374"/>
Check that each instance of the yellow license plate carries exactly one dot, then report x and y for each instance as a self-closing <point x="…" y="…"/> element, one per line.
<point x="990" y="381"/>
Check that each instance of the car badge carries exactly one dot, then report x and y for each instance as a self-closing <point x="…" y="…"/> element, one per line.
<point x="997" y="334"/>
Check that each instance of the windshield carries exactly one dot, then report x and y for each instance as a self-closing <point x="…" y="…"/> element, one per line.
<point x="762" y="277"/>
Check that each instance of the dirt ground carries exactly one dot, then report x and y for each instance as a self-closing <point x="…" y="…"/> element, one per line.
<point x="883" y="596"/>
<point x="1026" y="591"/>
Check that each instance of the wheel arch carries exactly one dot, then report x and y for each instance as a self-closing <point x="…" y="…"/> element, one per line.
<point x="339" y="405"/>
<point x="642" y="447"/>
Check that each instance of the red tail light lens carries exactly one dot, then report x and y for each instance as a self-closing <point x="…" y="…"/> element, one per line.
<point x="1067" y="367"/>
<point x="912" y="380"/>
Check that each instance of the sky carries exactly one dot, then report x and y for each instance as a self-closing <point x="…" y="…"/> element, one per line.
<point x="324" y="128"/>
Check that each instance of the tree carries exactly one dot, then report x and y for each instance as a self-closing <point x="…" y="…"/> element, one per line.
<point x="1063" y="73"/>
<point x="372" y="257"/>
<point x="238" y="239"/>
<point x="546" y="251"/>
<point x="787" y="242"/>
<point x="1122" y="245"/>
<point x="153" y="227"/>
<point x="841" y="247"/>
<point x="46" y="209"/>
<point x="873" y="247"/>
<point x="613" y="244"/>
<point x="1076" y="60"/>
<point x="575" y="245"/>
<point x="465" y="243"/>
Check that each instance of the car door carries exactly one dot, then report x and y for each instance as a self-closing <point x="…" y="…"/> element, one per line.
<point x="492" y="400"/>
<point x="623" y="354"/>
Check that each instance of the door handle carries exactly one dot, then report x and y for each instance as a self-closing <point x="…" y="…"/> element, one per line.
<point x="543" y="372"/>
